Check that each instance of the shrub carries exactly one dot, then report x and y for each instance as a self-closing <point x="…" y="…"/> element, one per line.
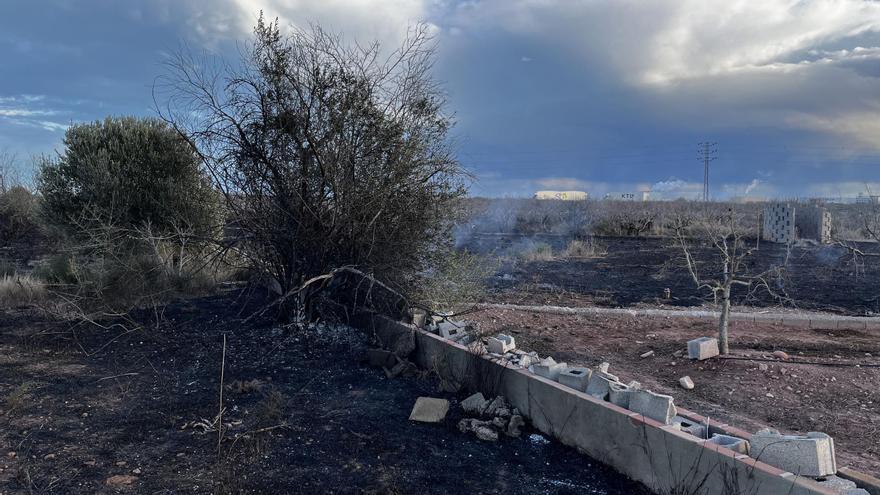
<point x="459" y="280"/>
<point x="18" y="215"/>
<point x="126" y="172"/>
<point x="539" y="251"/>
<point x="20" y="290"/>
<point x="329" y="154"/>
<point x="578" y="248"/>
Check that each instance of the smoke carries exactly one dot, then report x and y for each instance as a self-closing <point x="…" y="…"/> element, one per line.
<point x="752" y="185"/>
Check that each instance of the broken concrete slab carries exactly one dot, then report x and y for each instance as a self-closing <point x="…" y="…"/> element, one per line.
<point x="598" y="386"/>
<point x="419" y="317"/>
<point x="501" y="344"/>
<point x="729" y="442"/>
<point x="604" y="367"/>
<point x="482" y="429"/>
<point x="548" y="368"/>
<point x="808" y="455"/>
<point x="497" y="407"/>
<point x="475" y="404"/>
<point x="576" y="378"/>
<point x="837" y="483"/>
<point x="513" y="427"/>
<point x="703" y="348"/>
<point x="652" y="405"/>
<point x="429" y="410"/>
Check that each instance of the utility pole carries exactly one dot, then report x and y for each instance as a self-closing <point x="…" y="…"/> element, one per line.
<point x="706" y="152"/>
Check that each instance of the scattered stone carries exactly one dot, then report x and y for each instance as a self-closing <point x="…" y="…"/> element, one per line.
<point x="548" y="368"/>
<point x="703" y="348"/>
<point x="498" y="407"/>
<point x="136" y="471"/>
<point x="686" y="383"/>
<point x="810" y="455"/>
<point x="482" y="429"/>
<point x="513" y="427"/>
<point x="499" y="422"/>
<point x="501" y="344"/>
<point x="429" y="410"/>
<point x="658" y="407"/>
<point x="763" y="366"/>
<point x="48" y="457"/>
<point x="780" y="355"/>
<point x="576" y="378"/>
<point x="120" y="463"/>
<point x="598" y="386"/>
<point x="475" y="404"/>
<point x="647" y="354"/>
<point x="120" y="480"/>
<point x="728" y="442"/>
<point x="604" y="367"/>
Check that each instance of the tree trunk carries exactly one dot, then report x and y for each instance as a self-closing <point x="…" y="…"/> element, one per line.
<point x="724" y="321"/>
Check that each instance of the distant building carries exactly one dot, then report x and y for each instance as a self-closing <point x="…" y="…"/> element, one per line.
<point x="629" y="196"/>
<point x="562" y="195"/>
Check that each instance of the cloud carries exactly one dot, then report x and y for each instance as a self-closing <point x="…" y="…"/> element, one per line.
<point x="29" y="111"/>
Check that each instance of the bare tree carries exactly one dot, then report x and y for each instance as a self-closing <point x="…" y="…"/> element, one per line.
<point x="329" y="154"/>
<point x="730" y="264"/>
<point x="8" y="175"/>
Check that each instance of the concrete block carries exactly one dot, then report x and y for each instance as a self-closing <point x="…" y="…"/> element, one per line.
<point x="419" y="317"/>
<point x="810" y="455"/>
<point x="836" y="483"/>
<point x="658" y="407"/>
<point x="450" y="330"/>
<point x="576" y="378"/>
<point x="548" y="368"/>
<point x="599" y="384"/>
<point x="703" y="348"/>
<point x="501" y="344"/>
<point x="735" y="444"/>
<point x="618" y="393"/>
<point x="429" y="410"/>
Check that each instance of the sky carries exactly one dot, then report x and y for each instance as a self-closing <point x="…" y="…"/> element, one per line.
<point x="600" y="96"/>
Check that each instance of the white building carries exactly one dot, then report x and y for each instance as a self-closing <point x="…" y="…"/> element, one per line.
<point x="562" y="195"/>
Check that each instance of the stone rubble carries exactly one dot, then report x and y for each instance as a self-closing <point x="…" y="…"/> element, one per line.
<point x="493" y="417"/>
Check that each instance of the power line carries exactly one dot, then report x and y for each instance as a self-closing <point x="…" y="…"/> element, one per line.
<point x="706" y="152"/>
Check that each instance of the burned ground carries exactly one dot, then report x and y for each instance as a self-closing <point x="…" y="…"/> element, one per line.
<point x="838" y="398"/>
<point x="88" y="410"/>
<point x="638" y="270"/>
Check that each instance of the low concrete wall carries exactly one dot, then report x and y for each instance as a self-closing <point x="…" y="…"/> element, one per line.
<point x="662" y="457"/>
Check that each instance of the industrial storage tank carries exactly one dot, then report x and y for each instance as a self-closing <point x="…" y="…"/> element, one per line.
<point x="562" y="195"/>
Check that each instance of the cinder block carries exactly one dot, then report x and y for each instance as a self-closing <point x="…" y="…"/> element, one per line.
<point x="618" y="393"/>
<point x="576" y="378"/>
<point x="501" y="344"/>
<point x="451" y="329"/>
<point x="658" y="407"/>
<point x="703" y="348"/>
<point x="810" y="455"/>
<point x="599" y="384"/>
<point x="728" y="442"/>
<point x="548" y="368"/>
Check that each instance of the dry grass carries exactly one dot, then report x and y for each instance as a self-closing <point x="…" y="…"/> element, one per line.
<point x="20" y="290"/>
<point x="537" y="252"/>
<point x="577" y="248"/>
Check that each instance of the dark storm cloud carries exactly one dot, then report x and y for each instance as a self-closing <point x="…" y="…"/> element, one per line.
<point x="594" y="95"/>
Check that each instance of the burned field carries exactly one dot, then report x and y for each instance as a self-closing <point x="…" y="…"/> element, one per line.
<point x="632" y="272"/>
<point x="114" y="411"/>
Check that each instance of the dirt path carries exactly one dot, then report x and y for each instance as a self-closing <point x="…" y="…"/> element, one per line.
<point x="840" y="399"/>
<point x="301" y="415"/>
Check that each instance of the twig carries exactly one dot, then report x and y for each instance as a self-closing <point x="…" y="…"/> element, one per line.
<point x="220" y="412"/>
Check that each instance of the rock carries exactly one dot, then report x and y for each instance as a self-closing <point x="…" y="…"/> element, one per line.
<point x="647" y="354"/>
<point x="475" y="404"/>
<point x="48" y="457"/>
<point x="604" y="367"/>
<point x="499" y="423"/>
<point x="481" y="429"/>
<point x="497" y="406"/>
<point x="763" y="367"/>
<point x="486" y="434"/>
<point x="513" y="427"/>
<point x="120" y="480"/>
<point x="136" y="471"/>
<point x="686" y="383"/>
<point x="429" y="410"/>
<point x="780" y="355"/>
